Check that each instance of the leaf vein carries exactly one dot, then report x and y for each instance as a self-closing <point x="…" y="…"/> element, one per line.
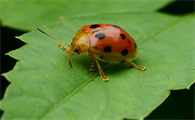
<point x="160" y="30"/>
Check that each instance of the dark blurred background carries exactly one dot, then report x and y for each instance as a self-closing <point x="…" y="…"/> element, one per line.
<point x="179" y="105"/>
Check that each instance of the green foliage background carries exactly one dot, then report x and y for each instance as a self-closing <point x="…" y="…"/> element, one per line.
<point x="44" y="87"/>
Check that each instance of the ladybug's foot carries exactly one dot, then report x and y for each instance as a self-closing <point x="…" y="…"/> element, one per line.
<point x="64" y="48"/>
<point x="92" y="68"/>
<point x="104" y="78"/>
<point x="136" y="66"/>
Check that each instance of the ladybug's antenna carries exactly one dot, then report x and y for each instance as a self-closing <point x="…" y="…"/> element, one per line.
<point x="53" y="37"/>
<point x="70" y="60"/>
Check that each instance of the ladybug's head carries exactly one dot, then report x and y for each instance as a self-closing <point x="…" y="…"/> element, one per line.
<point x="80" y="43"/>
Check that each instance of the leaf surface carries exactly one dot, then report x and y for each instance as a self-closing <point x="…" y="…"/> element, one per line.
<point x="29" y="14"/>
<point x="45" y="87"/>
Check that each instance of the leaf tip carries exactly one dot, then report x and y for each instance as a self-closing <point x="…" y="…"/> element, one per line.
<point x="3" y="74"/>
<point x="18" y="37"/>
<point x="188" y="88"/>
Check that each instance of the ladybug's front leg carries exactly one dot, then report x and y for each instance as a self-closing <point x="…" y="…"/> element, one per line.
<point x="92" y="68"/>
<point x="64" y="48"/>
<point x="104" y="78"/>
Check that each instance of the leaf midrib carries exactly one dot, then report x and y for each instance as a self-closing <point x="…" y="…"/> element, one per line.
<point x="74" y="92"/>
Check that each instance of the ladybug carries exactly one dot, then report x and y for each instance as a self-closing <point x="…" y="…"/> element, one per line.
<point x="104" y="42"/>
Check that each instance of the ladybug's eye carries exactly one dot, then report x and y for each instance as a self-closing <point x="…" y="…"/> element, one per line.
<point x="76" y="50"/>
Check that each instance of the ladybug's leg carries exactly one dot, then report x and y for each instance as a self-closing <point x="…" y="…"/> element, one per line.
<point x="92" y="68"/>
<point x="64" y="48"/>
<point x="104" y="78"/>
<point x="136" y="66"/>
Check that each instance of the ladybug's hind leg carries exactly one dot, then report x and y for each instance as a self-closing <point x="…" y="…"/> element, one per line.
<point x="136" y="66"/>
<point x="104" y="78"/>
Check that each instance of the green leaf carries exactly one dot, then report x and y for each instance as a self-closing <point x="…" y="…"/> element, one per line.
<point x="45" y="87"/>
<point x="29" y="14"/>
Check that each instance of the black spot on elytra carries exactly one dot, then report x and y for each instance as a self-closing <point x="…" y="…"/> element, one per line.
<point x="100" y="35"/>
<point x="123" y="36"/>
<point x="124" y="52"/>
<point x="135" y="45"/>
<point x="107" y="49"/>
<point x="94" y="26"/>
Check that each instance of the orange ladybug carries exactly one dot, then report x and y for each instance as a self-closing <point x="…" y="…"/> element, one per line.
<point x="104" y="42"/>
